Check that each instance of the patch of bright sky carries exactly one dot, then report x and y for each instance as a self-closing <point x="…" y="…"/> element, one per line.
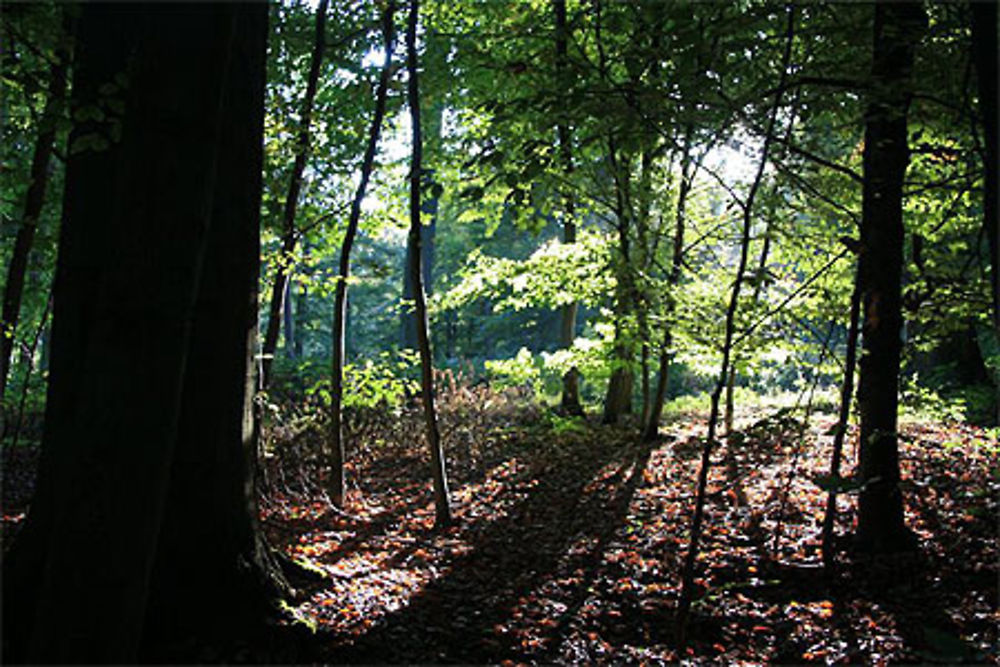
<point x="735" y="162"/>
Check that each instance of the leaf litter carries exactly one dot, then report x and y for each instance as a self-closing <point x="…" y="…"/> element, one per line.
<point x="568" y="542"/>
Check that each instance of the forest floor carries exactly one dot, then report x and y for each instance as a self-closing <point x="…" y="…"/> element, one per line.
<point x="569" y="536"/>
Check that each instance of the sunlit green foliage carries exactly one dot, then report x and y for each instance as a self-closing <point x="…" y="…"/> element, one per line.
<point x="645" y="89"/>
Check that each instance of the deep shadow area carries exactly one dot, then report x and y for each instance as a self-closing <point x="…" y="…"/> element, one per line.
<point x="578" y="498"/>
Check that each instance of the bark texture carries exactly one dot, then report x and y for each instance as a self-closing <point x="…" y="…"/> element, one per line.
<point x="897" y="29"/>
<point x="143" y="524"/>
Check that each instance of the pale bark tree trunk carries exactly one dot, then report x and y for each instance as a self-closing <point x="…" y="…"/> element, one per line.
<point x="442" y="502"/>
<point x="302" y="308"/>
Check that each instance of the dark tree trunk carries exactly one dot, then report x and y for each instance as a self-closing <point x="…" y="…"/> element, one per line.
<point x="567" y="323"/>
<point x="652" y="425"/>
<point x="984" y="55"/>
<point x="435" y="57"/>
<point x="290" y="234"/>
<point x="880" y="509"/>
<point x="427" y="233"/>
<point x="442" y="502"/>
<point x="34" y="201"/>
<point x="143" y="523"/>
<point x="618" y="398"/>
<point x="730" y="403"/>
<point x="29" y="367"/>
<point x="336" y="484"/>
<point x="646" y="250"/>
<point x="210" y="499"/>
<point x="758" y="290"/>
<point x="288" y="315"/>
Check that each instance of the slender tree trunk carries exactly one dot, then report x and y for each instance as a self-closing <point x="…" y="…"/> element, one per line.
<point x="570" y="401"/>
<point x="143" y="523"/>
<point x="29" y="365"/>
<point x="336" y="484"/>
<point x="442" y="502"/>
<point x="758" y="290"/>
<point x="846" y="394"/>
<point x="302" y="308"/>
<point x="687" y="582"/>
<point x="34" y="201"/>
<point x="618" y="399"/>
<point x="652" y="424"/>
<point x="435" y="57"/>
<point x="289" y="237"/>
<point x="644" y="371"/>
<point x="730" y="403"/>
<point x="984" y="55"/>
<point x="644" y="251"/>
<point x="288" y="315"/>
<point x="898" y="27"/>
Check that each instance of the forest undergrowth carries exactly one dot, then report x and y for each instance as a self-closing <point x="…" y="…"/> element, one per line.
<point x="569" y="537"/>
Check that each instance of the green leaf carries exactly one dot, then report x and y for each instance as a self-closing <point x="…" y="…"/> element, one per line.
<point x="91" y="141"/>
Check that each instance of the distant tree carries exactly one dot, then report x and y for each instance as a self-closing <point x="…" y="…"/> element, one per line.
<point x="570" y="401"/>
<point x="651" y="427"/>
<point x="844" y="412"/>
<point x="143" y="531"/>
<point x="897" y="30"/>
